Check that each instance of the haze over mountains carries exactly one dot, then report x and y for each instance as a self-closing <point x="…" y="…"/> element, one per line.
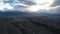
<point x="21" y="13"/>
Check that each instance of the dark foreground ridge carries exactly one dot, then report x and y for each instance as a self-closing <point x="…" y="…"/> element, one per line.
<point x="31" y="25"/>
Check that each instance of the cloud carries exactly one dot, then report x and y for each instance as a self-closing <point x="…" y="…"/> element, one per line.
<point x="28" y="2"/>
<point x="5" y="6"/>
<point x="57" y="2"/>
<point x="22" y="5"/>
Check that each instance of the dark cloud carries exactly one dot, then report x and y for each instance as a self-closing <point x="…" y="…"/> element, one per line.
<point x="57" y="2"/>
<point x="57" y="11"/>
<point x="28" y="2"/>
<point x="8" y="1"/>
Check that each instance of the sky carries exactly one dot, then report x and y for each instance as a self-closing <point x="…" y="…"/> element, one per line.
<point x="50" y="6"/>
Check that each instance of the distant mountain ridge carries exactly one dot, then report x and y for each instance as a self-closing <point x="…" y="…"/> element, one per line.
<point x="20" y="13"/>
<point x="13" y="13"/>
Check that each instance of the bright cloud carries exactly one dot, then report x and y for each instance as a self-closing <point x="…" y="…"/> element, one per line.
<point x="5" y="6"/>
<point x="42" y="4"/>
<point x="8" y="6"/>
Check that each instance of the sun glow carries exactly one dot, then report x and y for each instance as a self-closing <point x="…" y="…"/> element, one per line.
<point x="42" y="4"/>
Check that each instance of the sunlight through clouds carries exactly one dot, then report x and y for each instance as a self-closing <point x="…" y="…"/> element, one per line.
<point x="42" y="4"/>
<point x="28" y="5"/>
